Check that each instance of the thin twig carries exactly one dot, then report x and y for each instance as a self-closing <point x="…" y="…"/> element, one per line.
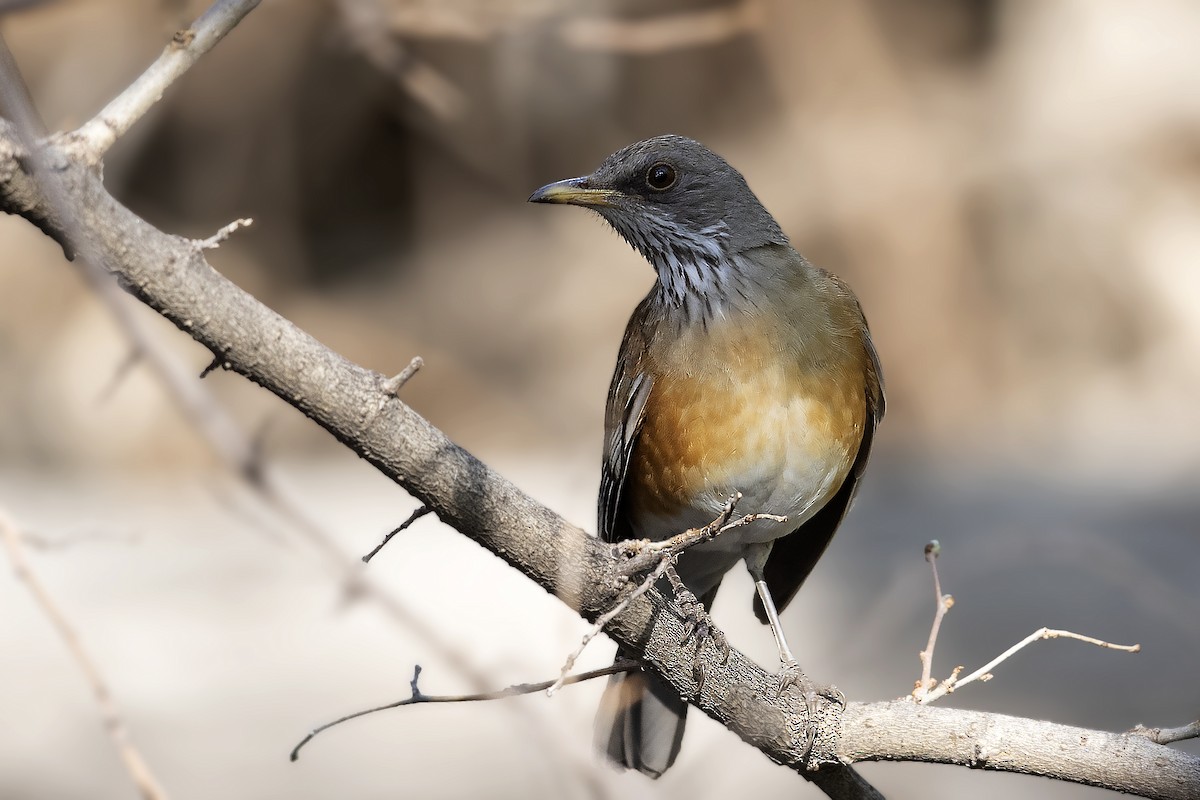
<point x="608" y="617"/>
<point x="100" y="133"/>
<point x="120" y="372"/>
<point x="394" y="384"/>
<point x="1169" y="735"/>
<point x="35" y="541"/>
<point x="216" y="425"/>
<point x="944" y="603"/>
<point x="624" y="665"/>
<point x="214" y="241"/>
<point x="984" y="673"/>
<point x="665" y="552"/>
<point x="642" y="553"/>
<point x="217" y="363"/>
<point x="135" y="765"/>
<point x="413" y="517"/>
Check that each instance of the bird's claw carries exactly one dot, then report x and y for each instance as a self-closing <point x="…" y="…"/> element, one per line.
<point x="790" y="675"/>
<point x="698" y="624"/>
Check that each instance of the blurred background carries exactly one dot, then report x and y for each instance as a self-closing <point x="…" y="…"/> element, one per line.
<point x="1011" y="187"/>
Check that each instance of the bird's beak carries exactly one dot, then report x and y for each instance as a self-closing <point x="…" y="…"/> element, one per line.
<point x="574" y="191"/>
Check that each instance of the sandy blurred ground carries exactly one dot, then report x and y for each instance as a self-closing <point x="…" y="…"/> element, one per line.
<point x="1013" y="189"/>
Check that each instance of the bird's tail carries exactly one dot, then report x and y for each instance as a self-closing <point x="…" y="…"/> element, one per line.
<point x="641" y="718"/>
<point x="640" y="722"/>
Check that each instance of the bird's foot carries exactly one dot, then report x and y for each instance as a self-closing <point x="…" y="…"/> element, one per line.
<point x="698" y="624"/>
<point x="790" y="675"/>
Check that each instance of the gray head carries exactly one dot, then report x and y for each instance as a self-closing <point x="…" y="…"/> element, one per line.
<point x="674" y="200"/>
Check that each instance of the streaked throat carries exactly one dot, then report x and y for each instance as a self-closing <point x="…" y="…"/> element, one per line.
<point x="697" y="276"/>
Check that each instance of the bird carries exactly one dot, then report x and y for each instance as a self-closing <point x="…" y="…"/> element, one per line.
<point x="745" y="369"/>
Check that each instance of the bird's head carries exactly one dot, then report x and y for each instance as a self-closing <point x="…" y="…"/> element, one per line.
<point x="674" y="200"/>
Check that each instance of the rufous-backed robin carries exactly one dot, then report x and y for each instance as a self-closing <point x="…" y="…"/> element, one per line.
<point x="745" y="369"/>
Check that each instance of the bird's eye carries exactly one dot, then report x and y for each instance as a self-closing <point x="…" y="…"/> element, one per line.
<point x="661" y="177"/>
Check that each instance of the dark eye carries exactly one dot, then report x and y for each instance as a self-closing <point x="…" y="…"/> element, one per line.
<point x="661" y="177"/>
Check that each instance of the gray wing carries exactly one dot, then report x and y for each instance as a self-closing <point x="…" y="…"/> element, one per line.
<point x="623" y="422"/>
<point x="623" y="417"/>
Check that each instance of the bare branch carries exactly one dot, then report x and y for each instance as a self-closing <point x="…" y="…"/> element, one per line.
<point x="984" y="673"/>
<point x="928" y="689"/>
<point x="1169" y="735"/>
<point x="120" y="372"/>
<point x="944" y="603"/>
<point x="32" y="185"/>
<point x="607" y="617"/>
<point x="130" y="756"/>
<point x="515" y="690"/>
<point x="115" y="119"/>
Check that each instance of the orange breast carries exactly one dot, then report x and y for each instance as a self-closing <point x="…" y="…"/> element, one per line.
<point x="734" y="408"/>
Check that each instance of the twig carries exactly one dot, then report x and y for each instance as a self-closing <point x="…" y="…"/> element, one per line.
<point x="944" y="603"/>
<point x="516" y="689"/>
<point x="394" y="384"/>
<point x="666" y="552"/>
<point x="608" y="617"/>
<point x="62" y="541"/>
<point x="1168" y="735"/>
<point x="413" y="517"/>
<point x="984" y="673"/>
<point x="119" y="374"/>
<point x="135" y="765"/>
<point x="215" y="425"/>
<point x="642" y="553"/>
<point x="97" y="135"/>
<point x="214" y="241"/>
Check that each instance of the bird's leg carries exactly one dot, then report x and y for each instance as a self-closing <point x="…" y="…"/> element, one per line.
<point x="790" y="673"/>
<point x="695" y="617"/>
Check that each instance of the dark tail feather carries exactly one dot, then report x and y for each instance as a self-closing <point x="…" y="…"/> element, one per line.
<point x="641" y="718"/>
<point x="640" y="722"/>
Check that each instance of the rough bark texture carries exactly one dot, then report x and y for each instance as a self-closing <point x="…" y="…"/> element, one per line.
<point x="171" y="275"/>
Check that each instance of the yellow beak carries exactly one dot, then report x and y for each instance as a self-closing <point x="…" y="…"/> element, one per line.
<point x="576" y="192"/>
